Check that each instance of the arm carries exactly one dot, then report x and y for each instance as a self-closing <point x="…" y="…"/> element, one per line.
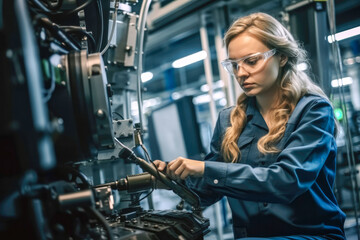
<point x="295" y="169"/>
<point x="192" y="170"/>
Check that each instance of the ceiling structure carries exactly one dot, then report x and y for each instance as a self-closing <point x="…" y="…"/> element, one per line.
<point x="173" y="32"/>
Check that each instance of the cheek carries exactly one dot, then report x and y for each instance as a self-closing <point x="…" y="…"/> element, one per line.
<point x="271" y="74"/>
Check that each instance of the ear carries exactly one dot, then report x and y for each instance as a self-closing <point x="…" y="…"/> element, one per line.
<point x="283" y="60"/>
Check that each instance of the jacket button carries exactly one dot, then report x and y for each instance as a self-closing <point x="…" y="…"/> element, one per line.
<point x="216" y="181"/>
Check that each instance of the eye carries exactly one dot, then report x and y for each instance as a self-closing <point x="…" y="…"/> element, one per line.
<point x="234" y="65"/>
<point x="252" y="60"/>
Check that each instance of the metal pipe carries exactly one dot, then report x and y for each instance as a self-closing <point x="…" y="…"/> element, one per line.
<point x="207" y="66"/>
<point x="221" y="54"/>
<point x="140" y="42"/>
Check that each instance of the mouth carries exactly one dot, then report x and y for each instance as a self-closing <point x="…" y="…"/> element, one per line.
<point x="247" y="85"/>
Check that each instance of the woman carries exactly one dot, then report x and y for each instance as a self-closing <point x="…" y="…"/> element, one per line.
<point x="273" y="155"/>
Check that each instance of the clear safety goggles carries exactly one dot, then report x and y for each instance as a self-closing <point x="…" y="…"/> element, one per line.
<point x="250" y="64"/>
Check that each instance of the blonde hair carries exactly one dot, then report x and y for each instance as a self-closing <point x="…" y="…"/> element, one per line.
<point x="293" y="83"/>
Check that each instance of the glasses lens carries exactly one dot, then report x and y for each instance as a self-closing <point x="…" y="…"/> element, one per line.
<point x="230" y="67"/>
<point x="250" y="64"/>
<point x="253" y="63"/>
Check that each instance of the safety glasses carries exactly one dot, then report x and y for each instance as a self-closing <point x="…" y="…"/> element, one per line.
<point x="250" y="64"/>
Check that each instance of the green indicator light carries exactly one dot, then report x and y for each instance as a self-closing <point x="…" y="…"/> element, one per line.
<point x="338" y="113"/>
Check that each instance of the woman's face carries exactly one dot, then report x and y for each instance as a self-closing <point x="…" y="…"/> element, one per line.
<point x="262" y="81"/>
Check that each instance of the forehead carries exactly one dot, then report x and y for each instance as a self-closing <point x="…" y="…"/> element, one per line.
<point x="245" y="44"/>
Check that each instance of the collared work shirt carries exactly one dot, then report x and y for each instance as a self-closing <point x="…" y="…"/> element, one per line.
<point x="288" y="193"/>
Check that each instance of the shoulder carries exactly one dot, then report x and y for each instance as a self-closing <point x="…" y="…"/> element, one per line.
<point x="223" y="120"/>
<point x="310" y="99"/>
<point x="311" y="103"/>
<point x="226" y="112"/>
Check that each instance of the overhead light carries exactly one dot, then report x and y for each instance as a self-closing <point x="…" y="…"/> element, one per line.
<point x="176" y="95"/>
<point x="195" y="57"/>
<point x="146" y="76"/>
<point x="205" y="98"/>
<point x="216" y="85"/>
<point x="344" y="34"/>
<point x="342" y="82"/>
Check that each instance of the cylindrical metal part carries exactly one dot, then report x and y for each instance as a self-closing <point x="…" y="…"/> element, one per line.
<point x="76" y="199"/>
<point x="139" y="182"/>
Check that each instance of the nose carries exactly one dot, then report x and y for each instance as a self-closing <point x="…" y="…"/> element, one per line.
<point x="241" y="72"/>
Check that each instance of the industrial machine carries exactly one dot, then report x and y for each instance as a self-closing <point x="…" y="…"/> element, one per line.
<point x="73" y="165"/>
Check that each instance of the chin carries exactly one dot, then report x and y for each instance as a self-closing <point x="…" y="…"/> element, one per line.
<point x="250" y="92"/>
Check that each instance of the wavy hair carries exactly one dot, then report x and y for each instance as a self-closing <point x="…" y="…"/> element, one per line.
<point x="293" y="83"/>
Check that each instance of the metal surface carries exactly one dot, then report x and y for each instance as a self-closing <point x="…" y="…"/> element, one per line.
<point x="124" y="131"/>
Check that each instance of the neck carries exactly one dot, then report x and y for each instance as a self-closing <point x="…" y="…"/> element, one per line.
<point x="266" y="101"/>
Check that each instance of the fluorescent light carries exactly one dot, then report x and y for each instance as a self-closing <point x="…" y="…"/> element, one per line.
<point x="344" y="34"/>
<point x="344" y="81"/>
<point x="302" y="66"/>
<point x="146" y="76"/>
<point x="205" y="98"/>
<point x="195" y="57"/>
<point x="176" y="95"/>
<point x="216" y="85"/>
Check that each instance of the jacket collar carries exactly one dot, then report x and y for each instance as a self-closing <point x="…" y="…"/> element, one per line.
<point x="253" y="115"/>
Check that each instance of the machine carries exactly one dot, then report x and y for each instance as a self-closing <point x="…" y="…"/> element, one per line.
<point x="73" y="165"/>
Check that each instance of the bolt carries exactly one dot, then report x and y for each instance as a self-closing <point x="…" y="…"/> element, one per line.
<point x="100" y="113"/>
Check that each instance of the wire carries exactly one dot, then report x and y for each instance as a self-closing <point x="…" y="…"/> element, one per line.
<point x="102" y="220"/>
<point x="116" y="113"/>
<point x="114" y="19"/>
<point x="139" y="200"/>
<point x="76" y="29"/>
<point x="102" y="25"/>
<point x="59" y="33"/>
<point x="120" y="143"/>
<point x="149" y="160"/>
<point x="79" y="8"/>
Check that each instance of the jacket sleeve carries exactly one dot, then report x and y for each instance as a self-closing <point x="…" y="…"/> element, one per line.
<point x="198" y="185"/>
<point x="293" y="170"/>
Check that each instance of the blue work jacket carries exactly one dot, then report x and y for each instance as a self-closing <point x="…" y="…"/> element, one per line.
<point x="288" y="193"/>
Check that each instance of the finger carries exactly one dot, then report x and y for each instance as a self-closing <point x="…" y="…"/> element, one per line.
<point x="184" y="174"/>
<point x="175" y="164"/>
<point x="179" y="170"/>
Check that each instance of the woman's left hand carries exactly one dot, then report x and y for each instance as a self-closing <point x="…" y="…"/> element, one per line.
<point x="181" y="168"/>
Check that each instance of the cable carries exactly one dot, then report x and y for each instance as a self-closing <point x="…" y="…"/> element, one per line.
<point x="79" y="8"/>
<point x="140" y="44"/>
<point x="149" y="160"/>
<point x="116" y="113"/>
<point x="101" y="23"/>
<point x="76" y="29"/>
<point x="102" y="220"/>
<point x="114" y="19"/>
<point x="348" y="142"/>
<point x="58" y="32"/>
<point x="40" y="5"/>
